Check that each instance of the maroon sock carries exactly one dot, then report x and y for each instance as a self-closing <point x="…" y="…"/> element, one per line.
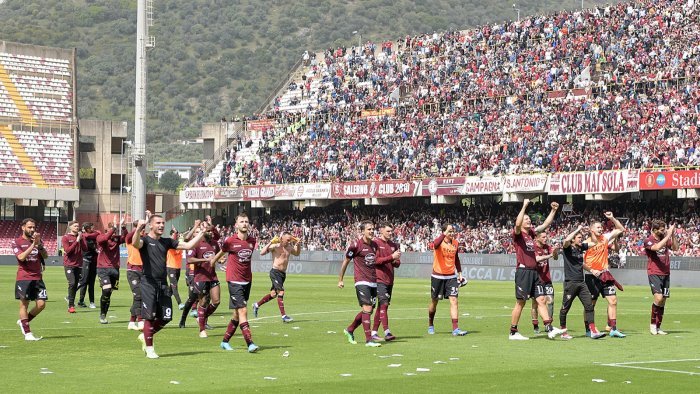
<point x="431" y="317"/>
<point x="535" y="322"/>
<point x="264" y="299"/>
<point x="201" y="318"/>
<point x="612" y="323"/>
<point x="245" y="330"/>
<point x="654" y="314"/>
<point x="375" y="322"/>
<point x="384" y="316"/>
<point x="210" y="310"/>
<point x="30" y="317"/>
<point x="25" y="325"/>
<point x="280" y="303"/>
<point x="366" y="316"/>
<point x="455" y="324"/>
<point x="230" y="330"/>
<point x="148" y="332"/>
<point x="547" y="325"/>
<point x="355" y="323"/>
<point x="132" y="319"/>
<point x="661" y="317"/>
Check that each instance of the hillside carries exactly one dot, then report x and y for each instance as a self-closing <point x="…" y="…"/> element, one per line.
<point x="217" y="58"/>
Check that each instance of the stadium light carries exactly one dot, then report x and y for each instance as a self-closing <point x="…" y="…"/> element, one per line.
<point x="518" y="10"/>
<point x="359" y="38"/>
<point x="121" y="176"/>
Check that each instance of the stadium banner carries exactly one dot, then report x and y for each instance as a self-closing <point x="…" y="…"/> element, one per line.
<point x="197" y="194"/>
<point x="378" y="112"/>
<point x="442" y="187"/>
<point x="482" y="185"/>
<point x="525" y="183"/>
<point x="596" y="182"/>
<point x="306" y="191"/>
<point x="228" y="193"/>
<point x="258" y="192"/>
<point x="658" y="180"/>
<point x="260" y="125"/>
<point x="374" y="189"/>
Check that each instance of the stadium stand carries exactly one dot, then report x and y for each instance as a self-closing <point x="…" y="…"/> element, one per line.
<point x="605" y="88"/>
<point x="11" y="229"/>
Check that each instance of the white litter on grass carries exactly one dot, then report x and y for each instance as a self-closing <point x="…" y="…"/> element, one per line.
<point x="174" y="382"/>
<point x="112" y="317"/>
<point x="677" y="322"/>
<point x="331" y="332"/>
<point x="454" y="358"/>
<point x="254" y="326"/>
<point x="439" y="362"/>
<point x="677" y="336"/>
<point x="397" y="355"/>
<point x="409" y="374"/>
<point x="474" y="346"/>
<point x="384" y="356"/>
<point x="627" y="382"/>
<point x="296" y="328"/>
<point x="269" y="378"/>
<point x="274" y="333"/>
<point x="285" y="335"/>
<point x="552" y="376"/>
<point x="422" y="369"/>
<point x="598" y="380"/>
<point x="465" y="314"/>
<point x="345" y="375"/>
<point x="394" y="365"/>
<point x="506" y="307"/>
<point x="66" y="322"/>
<point x="566" y="374"/>
<point x="45" y="371"/>
<point x="285" y="354"/>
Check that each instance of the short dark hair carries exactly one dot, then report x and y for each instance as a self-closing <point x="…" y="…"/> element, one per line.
<point x="87" y="225"/>
<point x="150" y="220"/>
<point x="364" y="224"/>
<point x="243" y="214"/>
<point x="27" y="220"/>
<point x="657" y="224"/>
<point x="445" y="226"/>
<point x="385" y="224"/>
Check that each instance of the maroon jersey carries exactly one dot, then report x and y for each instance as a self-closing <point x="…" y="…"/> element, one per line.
<point x="364" y="260"/>
<point x="525" y="249"/>
<point x="385" y="264"/>
<point x="108" y="248"/>
<point x="204" y="272"/>
<point x="240" y="256"/>
<point x="30" y="268"/>
<point x="543" y="266"/>
<point x="73" y="250"/>
<point x="659" y="262"/>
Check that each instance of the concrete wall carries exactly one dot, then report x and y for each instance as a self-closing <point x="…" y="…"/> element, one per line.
<point x="106" y="134"/>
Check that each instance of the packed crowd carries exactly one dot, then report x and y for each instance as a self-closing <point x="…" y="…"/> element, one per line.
<point x="483" y="228"/>
<point x="478" y="101"/>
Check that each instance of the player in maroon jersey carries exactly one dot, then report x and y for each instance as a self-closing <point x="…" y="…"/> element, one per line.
<point x="29" y="285"/>
<point x="526" y="276"/>
<point x="544" y="288"/>
<point x="363" y="253"/>
<point x="385" y="279"/>
<point x="108" y="264"/>
<point x="281" y="248"/>
<point x="239" y="277"/>
<point x="73" y="246"/>
<point x="657" y="247"/>
<point x="205" y="282"/>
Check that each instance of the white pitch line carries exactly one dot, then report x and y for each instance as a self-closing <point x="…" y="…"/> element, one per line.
<point x="651" y="369"/>
<point x="655" y="361"/>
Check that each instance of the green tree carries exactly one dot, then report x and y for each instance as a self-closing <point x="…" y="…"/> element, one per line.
<point x="170" y="181"/>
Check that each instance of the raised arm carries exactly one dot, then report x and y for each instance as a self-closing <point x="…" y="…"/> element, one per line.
<point x="296" y="250"/>
<point x="619" y="228"/>
<point x="136" y="238"/>
<point x="521" y="216"/>
<point x="570" y="237"/>
<point x="268" y="248"/>
<point x="191" y="243"/>
<point x="550" y="218"/>
<point x="674" y="240"/>
<point x="664" y="241"/>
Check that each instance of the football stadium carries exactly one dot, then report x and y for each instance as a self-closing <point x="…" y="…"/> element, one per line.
<point x="333" y="196"/>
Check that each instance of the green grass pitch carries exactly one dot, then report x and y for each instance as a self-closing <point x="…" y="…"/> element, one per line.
<point x="84" y="356"/>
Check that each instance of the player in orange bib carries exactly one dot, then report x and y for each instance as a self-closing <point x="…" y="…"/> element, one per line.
<point x="600" y="280"/>
<point x="446" y="278"/>
<point x="134" y="273"/>
<point x="174" y="265"/>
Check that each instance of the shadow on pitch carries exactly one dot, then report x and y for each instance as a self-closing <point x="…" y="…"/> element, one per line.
<point x="62" y="337"/>
<point x="183" y="354"/>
